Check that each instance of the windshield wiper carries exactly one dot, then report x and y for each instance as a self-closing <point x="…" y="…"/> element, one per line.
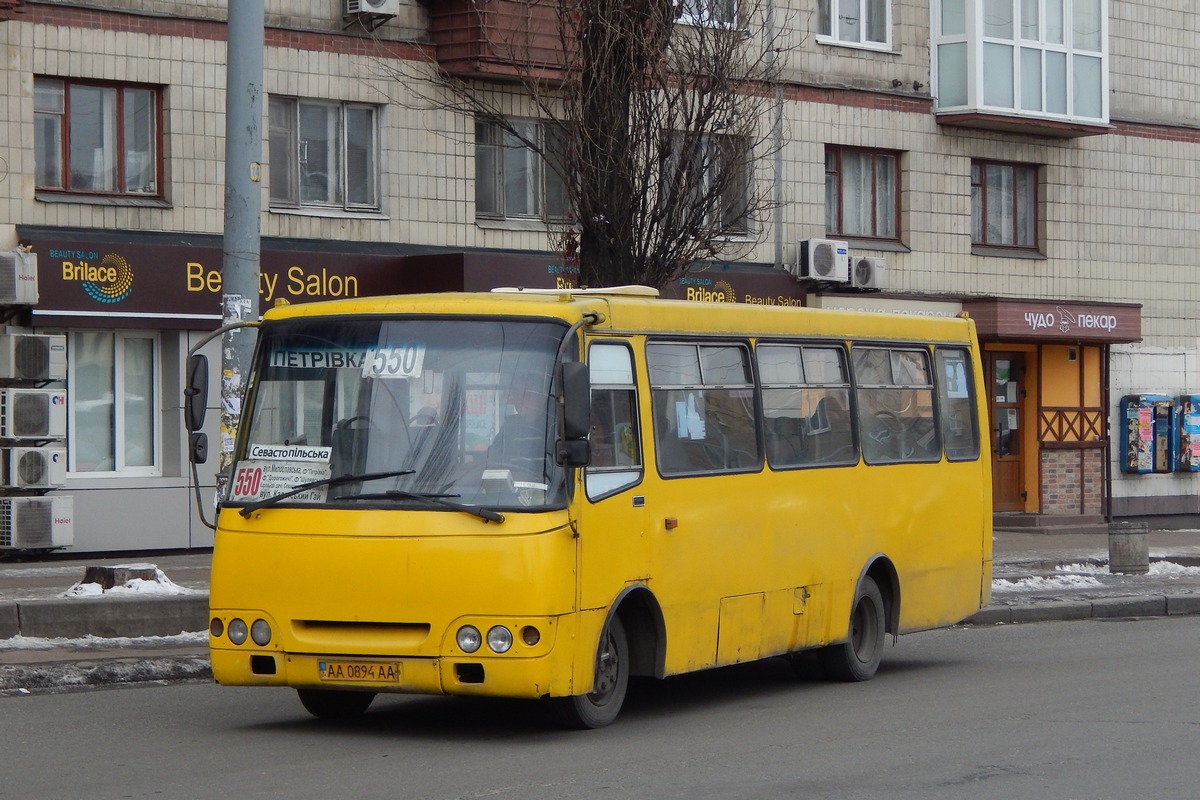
<point x="246" y="511"/>
<point x="485" y="514"/>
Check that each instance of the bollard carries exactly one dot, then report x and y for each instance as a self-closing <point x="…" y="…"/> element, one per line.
<point x="1128" y="548"/>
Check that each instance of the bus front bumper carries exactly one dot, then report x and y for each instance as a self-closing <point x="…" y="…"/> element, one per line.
<point x="490" y="676"/>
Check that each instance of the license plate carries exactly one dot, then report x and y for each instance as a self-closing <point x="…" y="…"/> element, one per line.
<point x="360" y="671"/>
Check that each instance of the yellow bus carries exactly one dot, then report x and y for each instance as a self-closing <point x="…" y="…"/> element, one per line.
<point x="538" y="494"/>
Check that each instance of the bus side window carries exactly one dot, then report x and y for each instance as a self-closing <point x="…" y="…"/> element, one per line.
<point x="704" y="409"/>
<point x="833" y="433"/>
<point x="615" y="437"/>
<point x="960" y="428"/>
<point x="895" y="405"/>
<point x="614" y="434"/>
<point x="805" y="399"/>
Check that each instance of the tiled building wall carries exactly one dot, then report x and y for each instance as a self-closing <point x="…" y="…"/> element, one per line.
<point x="1118" y="210"/>
<point x="1154" y="74"/>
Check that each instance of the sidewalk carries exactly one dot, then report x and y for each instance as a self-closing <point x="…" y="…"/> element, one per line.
<point x="1036" y="577"/>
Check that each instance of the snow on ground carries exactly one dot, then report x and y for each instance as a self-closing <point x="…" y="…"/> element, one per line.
<point x="142" y="659"/>
<point x="161" y="584"/>
<point x="1170" y="570"/>
<point x="95" y="642"/>
<point x="1158" y="569"/>
<point x="1039" y="583"/>
<point x="1082" y="575"/>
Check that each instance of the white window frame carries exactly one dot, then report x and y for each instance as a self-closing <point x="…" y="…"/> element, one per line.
<point x="834" y="12"/>
<point x="710" y="13"/>
<point x="294" y="158"/>
<point x="154" y="406"/>
<point x="1033" y="44"/>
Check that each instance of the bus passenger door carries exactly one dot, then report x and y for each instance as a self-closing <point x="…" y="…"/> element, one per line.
<point x="613" y="514"/>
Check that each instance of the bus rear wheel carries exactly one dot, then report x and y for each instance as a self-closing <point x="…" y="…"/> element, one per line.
<point x="858" y="657"/>
<point x="601" y="706"/>
<point x="333" y="704"/>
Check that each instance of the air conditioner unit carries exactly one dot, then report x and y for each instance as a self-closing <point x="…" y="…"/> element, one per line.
<point x="868" y="273"/>
<point x="18" y="278"/>
<point x="33" y="414"/>
<point x="32" y="357"/>
<point x="35" y="467"/>
<point x="37" y="523"/>
<point x="824" y="260"/>
<point x="373" y="8"/>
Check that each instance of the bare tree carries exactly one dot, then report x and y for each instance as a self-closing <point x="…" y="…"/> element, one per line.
<point x="659" y="112"/>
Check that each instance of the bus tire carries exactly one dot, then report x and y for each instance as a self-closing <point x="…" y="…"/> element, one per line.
<point x="601" y="706"/>
<point x="858" y="657"/>
<point x="333" y="704"/>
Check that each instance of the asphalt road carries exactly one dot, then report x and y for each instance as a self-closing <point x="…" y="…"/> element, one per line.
<point x="1091" y="709"/>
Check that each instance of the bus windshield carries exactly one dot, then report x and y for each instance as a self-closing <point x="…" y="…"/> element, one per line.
<point x="427" y="413"/>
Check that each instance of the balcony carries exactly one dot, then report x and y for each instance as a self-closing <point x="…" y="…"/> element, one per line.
<point x="496" y="39"/>
<point x="1029" y="67"/>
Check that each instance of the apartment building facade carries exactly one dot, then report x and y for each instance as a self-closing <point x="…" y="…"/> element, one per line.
<point x="1033" y="163"/>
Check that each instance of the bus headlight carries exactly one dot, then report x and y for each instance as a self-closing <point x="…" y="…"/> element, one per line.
<point x="468" y="638"/>
<point x="238" y="631"/>
<point x="260" y="632"/>
<point x="216" y="628"/>
<point x="500" y="639"/>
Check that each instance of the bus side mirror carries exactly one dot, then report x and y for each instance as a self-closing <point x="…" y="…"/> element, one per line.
<point x="575" y="450"/>
<point x="198" y="447"/>
<point x="195" y="393"/>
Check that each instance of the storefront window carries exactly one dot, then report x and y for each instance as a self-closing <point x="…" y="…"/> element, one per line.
<point x="112" y="394"/>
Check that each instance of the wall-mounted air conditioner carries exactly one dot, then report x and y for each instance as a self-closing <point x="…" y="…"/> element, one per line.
<point x="33" y="414"/>
<point x="37" y="523"/>
<point x="824" y="260"/>
<point x="868" y="273"/>
<point x="32" y="357"/>
<point x="18" y="278"/>
<point x="372" y="8"/>
<point x="34" y="467"/>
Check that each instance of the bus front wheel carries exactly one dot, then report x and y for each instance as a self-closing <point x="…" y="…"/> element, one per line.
<point x="334" y="704"/>
<point x="858" y="657"/>
<point x="601" y="706"/>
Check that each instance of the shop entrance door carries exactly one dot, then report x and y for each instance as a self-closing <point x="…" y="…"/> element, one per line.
<point x="1006" y="383"/>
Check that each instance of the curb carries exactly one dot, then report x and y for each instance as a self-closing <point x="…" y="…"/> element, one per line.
<point x="1168" y="605"/>
<point x="104" y="617"/>
<point x="57" y="677"/>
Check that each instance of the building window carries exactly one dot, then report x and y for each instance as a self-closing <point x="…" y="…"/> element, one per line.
<point x="867" y="23"/>
<point x="324" y="155"/>
<point x="1004" y="201"/>
<point x="96" y="138"/>
<point x="112" y="390"/>
<point x="713" y="13"/>
<point x="861" y="193"/>
<point x="717" y="170"/>
<point x="1040" y="58"/>
<point x="519" y="170"/>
